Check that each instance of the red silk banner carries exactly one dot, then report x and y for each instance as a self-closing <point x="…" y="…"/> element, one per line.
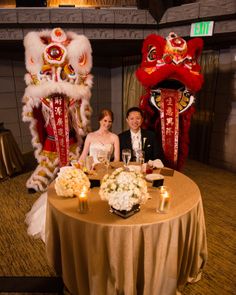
<point x="60" y="128"/>
<point x="170" y="124"/>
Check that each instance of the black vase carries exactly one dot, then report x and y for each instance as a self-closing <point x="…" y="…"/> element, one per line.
<point x="125" y="213"/>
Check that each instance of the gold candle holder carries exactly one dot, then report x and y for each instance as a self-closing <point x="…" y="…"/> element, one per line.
<point x="164" y="200"/>
<point x="83" y="201"/>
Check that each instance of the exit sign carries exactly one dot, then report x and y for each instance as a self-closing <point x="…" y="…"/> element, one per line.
<point x="202" y="29"/>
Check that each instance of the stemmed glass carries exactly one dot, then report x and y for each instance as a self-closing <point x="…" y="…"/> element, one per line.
<point x="126" y="156"/>
<point x="140" y="156"/>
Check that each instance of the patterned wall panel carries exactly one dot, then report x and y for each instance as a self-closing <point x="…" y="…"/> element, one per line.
<point x="99" y="33"/>
<point x="209" y="8"/>
<point x="183" y="12"/>
<point x="104" y="16"/>
<point x="149" y="32"/>
<point x="107" y="23"/>
<point x="79" y="31"/>
<point x="26" y="31"/>
<point x="182" y="31"/>
<point x="8" y="16"/>
<point x="130" y="16"/>
<point x="128" y="34"/>
<point x="11" y="34"/>
<point x="165" y="32"/>
<point x="66" y="16"/>
<point x="36" y="15"/>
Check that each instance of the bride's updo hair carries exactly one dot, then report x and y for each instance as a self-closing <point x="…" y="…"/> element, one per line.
<point x="104" y="113"/>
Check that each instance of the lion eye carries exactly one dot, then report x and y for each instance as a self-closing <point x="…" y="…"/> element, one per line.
<point x="152" y="54"/>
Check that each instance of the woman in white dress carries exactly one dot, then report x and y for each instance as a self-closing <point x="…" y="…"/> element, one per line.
<point x="102" y="139"/>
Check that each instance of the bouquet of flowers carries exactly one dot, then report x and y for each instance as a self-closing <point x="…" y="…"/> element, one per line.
<point x="70" y="181"/>
<point x="123" y="189"/>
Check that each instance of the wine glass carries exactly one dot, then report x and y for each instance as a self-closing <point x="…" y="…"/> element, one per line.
<point x="140" y="156"/>
<point x="126" y="156"/>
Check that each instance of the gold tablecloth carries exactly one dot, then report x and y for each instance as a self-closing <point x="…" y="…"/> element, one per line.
<point x="99" y="253"/>
<point x="11" y="159"/>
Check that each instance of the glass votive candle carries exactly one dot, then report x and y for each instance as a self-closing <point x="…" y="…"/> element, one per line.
<point x="163" y="204"/>
<point x="83" y="201"/>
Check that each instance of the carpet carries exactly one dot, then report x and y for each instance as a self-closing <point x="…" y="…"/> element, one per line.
<point x="24" y="257"/>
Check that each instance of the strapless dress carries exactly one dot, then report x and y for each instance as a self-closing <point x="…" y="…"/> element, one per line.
<point x="96" y="147"/>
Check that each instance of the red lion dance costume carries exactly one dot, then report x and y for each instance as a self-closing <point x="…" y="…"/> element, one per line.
<point x="171" y="75"/>
<point x="56" y="99"/>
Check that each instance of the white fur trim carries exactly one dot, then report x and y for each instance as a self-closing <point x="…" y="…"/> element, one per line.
<point x="38" y="182"/>
<point x="34" y="48"/>
<point x="50" y="87"/>
<point x="79" y="45"/>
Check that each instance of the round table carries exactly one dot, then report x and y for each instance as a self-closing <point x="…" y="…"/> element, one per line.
<point x="100" y="253"/>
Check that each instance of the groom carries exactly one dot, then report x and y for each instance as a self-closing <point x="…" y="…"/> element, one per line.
<point x="137" y="138"/>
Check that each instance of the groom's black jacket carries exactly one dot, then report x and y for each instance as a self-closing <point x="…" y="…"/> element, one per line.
<point x="149" y="144"/>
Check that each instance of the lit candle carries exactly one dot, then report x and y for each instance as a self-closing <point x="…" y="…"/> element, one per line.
<point x="164" y="200"/>
<point x="83" y="201"/>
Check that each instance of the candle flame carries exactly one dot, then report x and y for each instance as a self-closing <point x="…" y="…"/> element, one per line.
<point x="165" y="194"/>
<point x="83" y="193"/>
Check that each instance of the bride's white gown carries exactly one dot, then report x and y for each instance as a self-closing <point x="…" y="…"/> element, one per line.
<point x="35" y="218"/>
<point x="96" y="147"/>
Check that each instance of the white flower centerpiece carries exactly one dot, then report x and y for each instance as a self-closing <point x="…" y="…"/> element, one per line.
<point x="124" y="191"/>
<point x="71" y="181"/>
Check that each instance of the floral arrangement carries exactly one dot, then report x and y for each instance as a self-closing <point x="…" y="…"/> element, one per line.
<point x="123" y="189"/>
<point x="70" y="181"/>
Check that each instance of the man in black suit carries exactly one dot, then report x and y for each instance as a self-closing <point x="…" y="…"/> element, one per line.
<point x="137" y="138"/>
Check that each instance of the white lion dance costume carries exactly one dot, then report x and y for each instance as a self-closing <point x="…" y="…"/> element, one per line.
<point x="56" y="99"/>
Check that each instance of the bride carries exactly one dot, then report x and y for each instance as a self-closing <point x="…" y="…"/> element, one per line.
<point x="100" y="140"/>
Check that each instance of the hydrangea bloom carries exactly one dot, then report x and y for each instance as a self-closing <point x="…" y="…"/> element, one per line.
<point x="123" y="189"/>
<point x="70" y="181"/>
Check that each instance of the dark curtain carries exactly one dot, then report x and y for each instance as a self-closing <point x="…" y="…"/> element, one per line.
<point x="203" y="118"/>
